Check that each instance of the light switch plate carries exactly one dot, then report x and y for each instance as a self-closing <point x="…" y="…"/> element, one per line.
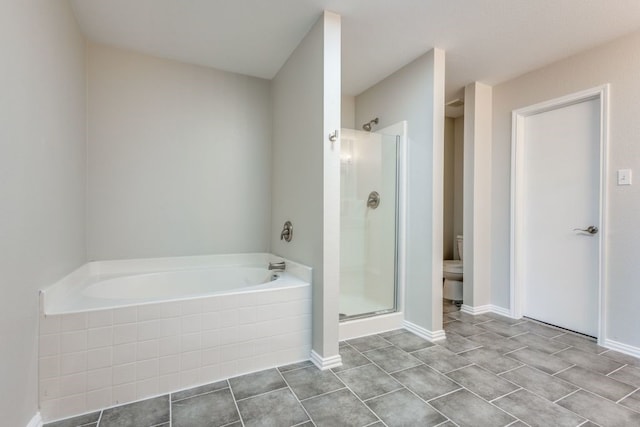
<point x="624" y="176"/>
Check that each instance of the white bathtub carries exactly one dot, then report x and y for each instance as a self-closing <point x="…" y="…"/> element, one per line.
<point x="118" y="331"/>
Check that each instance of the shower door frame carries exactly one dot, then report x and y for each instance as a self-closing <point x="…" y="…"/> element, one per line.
<point x="394" y="314"/>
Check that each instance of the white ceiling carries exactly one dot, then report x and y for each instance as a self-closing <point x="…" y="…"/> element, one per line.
<point x="485" y="40"/>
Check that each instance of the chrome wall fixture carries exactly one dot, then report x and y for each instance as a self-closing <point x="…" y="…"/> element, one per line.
<point x="287" y="232"/>
<point x="333" y="136"/>
<point x="373" y="201"/>
<point x="367" y="126"/>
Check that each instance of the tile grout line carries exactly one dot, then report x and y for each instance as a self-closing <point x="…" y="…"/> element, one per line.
<point x="560" y="351"/>
<point x="296" y="396"/>
<point x="587" y="420"/>
<point x="197" y="395"/>
<point x="616" y="370"/>
<point x="563" y="370"/>
<point x="235" y="402"/>
<point x="507" y="394"/>
<point x="363" y="402"/>
<point x="627" y="395"/>
<point x="409" y="390"/>
<point x="567" y="395"/>
<point x="512" y="369"/>
<point x="447" y="393"/>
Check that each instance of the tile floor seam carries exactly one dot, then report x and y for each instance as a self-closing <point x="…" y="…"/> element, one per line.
<point x="235" y="402"/>
<point x="260" y="394"/>
<point x="493" y="404"/>
<point x="374" y="349"/>
<point x="457" y="369"/>
<point x="587" y="419"/>
<point x="386" y="393"/>
<point x="518" y="335"/>
<point x="563" y="370"/>
<point x="297" y="399"/>
<point x="512" y="369"/>
<point x="506" y="394"/>
<point x="323" y="394"/>
<point x="196" y="395"/>
<point x="447" y="393"/>
<point x="569" y="394"/>
<point x="624" y="397"/>
<point x="424" y="401"/>
<point x="362" y="401"/>
<point x="353" y="367"/>
<point x="496" y="406"/>
<point x="616" y="370"/>
<point x="568" y="348"/>
<point x="604" y="398"/>
<point x="100" y="417"/>
<point x="520" y="348"/>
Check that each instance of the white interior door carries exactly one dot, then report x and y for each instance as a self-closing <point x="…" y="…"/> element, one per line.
<point x="561" y="193"/>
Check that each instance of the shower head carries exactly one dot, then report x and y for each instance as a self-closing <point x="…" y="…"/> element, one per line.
<point x="367" y="126"/>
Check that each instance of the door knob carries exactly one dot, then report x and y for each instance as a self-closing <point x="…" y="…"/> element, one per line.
<point x="590" y="229"/>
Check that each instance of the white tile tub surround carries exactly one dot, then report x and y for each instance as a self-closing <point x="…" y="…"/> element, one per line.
<point x="99" y="358"/>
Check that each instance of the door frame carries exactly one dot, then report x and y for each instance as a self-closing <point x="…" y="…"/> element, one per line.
<point x="600" y="93"/>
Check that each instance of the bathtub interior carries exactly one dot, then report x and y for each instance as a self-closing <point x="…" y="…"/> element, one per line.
<point x="120" y="283"/>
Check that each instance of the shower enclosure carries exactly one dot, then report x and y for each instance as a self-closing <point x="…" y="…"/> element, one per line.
<point x="368" y="223"/>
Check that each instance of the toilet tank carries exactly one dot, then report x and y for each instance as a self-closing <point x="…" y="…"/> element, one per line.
<point x="459" y="243"/>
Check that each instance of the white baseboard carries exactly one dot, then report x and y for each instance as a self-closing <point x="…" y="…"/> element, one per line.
<point x="481" y="309"/>
<point x="424" y="333"/>
<point x="324" y="363"/>
<point x="487" y="308"/>
<point x="622" y="348"/>
<point x="36" y="421"/>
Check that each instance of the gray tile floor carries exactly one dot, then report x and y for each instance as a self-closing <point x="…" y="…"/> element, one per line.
<point x="490" y="371"/>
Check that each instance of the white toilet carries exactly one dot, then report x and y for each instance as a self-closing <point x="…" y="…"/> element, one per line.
<point x="452" y="271"/>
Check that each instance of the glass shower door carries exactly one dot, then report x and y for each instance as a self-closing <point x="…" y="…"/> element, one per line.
<point x="368" y="223"/>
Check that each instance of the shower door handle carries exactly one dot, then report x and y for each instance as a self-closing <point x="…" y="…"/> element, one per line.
<point x="592" y="229"/>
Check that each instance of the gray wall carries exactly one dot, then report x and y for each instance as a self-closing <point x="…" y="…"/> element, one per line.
<point x="300" y="119"/>
<point x="179" y="158"/>
<point x="42" y="181"/>
<point x="617" y="63"/>
<point x="411" y="94"/>
<point x="458" y="196"/>
<point x="449" y="189"/>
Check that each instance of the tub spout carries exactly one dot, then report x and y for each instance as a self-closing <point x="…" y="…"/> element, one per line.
<point x="277" y="266"/>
